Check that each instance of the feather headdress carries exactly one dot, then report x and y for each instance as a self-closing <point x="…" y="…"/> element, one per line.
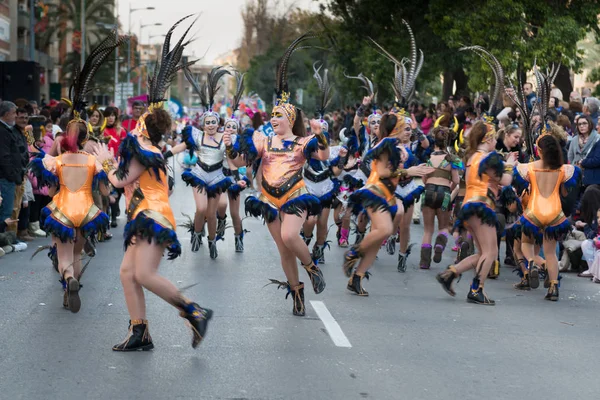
<point x="207" y="90"/>
<point x="497" y="70"/>
<point x="82" y="79"/>
<point x="239" y="91"/>
<point x="368" y="85"/>
<point x="406" y="71"/>
<point x="282" y="90"/>
<point x="325" y="93"/>
<point x="164" y="72"/>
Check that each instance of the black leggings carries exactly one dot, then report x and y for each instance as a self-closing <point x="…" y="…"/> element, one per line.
<point x="35" y="207"/>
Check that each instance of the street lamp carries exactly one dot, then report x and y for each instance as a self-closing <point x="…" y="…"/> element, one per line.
<point x="144" y="26"/>
<point x="131" y="11"/>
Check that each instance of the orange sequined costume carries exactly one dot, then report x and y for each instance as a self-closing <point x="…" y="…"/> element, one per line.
<point x="480" y="194"/>
<point x="378" y="193"/>
<point x="544" y="214"/>
<point x="71" y="209"/>
<point x="149" y="214"/>
<point x="283" y="188"/>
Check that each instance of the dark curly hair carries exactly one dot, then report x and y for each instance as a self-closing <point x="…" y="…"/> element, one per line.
<point x="158" y="124"/>
<point x="550" y="151"/>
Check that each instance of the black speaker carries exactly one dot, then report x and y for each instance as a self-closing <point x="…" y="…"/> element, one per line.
<point x="20" y="80"/>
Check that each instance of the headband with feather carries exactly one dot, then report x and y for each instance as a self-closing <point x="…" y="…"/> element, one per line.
<point x="282" y="90"/>
<point x="207" y="90"/>
<point x="82" y="79"/>
<point x="497" y="70"/>
<point x="406" y="71"/>
<point x="164" y="72"/>
<point x="239" y="91"/>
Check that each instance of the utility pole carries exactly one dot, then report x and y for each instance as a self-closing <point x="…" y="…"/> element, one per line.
<point x="82" y="33"/>
<point x="31" y="31"/>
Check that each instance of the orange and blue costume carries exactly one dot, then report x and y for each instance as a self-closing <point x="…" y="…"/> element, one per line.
<point x="149" y="214"/>
<point x="70" y="209"/>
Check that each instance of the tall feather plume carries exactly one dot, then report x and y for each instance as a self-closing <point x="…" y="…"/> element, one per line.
<point x="213" y="78"/>
<point x="281" y="83"/>
<point x="325" y="89"/>
<point x="239" y="90"/>
<point x="199" y="88"/>
<point x="520" y="100"/>
<point x="544" y="88"/>
<point x="167" y="67"/>
<point x="367" y="84"/>
<point x="497" y="70"/>
<point x="406" y="71"/>
<point x="82" y="79"/>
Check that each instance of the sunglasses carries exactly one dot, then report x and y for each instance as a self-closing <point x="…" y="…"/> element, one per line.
<point x="210" y="123"/>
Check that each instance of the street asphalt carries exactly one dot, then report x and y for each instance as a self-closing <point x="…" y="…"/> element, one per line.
<point x="407" y="340"/>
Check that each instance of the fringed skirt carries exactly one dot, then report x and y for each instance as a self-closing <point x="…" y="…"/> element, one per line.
<point x="297" y="203"/>
<point x="371" y="198"/>
<point x="409" y="194"/>
<point x="56" y="223"/>
<point x="214" y="182"/>
<point x="149" y="225"/>
<point x="477" y="209"/>
<point x="556" y="231"/>
<point x="325" y="191"/>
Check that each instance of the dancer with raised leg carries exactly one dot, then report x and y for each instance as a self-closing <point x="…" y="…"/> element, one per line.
<point x="284" y="202"/>
<point x="150" y="229"/>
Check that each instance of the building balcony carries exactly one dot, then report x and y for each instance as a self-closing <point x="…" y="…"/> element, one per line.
<point x="23" y="19"/>
<point x="41" y="58"/>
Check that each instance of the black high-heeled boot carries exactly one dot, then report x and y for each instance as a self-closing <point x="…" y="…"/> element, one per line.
<point x="477" y="296"/>
<point x="316" y="277"/>
<point x="534" y="275"/>
<point x="351" y="257"/>
<point x="552" y="294"/>
<point x="138" y="338"/>
<point x="298" y="297"/>
<point x="446" y="278"/>
<point x="318" y="253"/>
<point x="197" y="318"/>
<point x="355" y="284"/>
<point x="221" y="225"/>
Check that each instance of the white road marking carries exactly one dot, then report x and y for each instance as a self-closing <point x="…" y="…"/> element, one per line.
<point x="333" y="328"/>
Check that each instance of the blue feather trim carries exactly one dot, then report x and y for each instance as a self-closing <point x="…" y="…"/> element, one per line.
<point x="188" y="139"/>
<point x="493" y="161"/>
<point x="44" y="214"/>
<point x="327" y="199"/>
<point x="412" y="160"/>
<point x="353" y="183"/>
<point x="386" y="145"/>
<point x="558" y="232"/>
<point x="530" y="230"/>
<point x="58" y="230"/>
<point x="508" y="196"/>
<point x="99" y="224"/>
<point x="479" y="210"/>
<point x="235" y="189"/>
<point x="99" y="178"/>
<point x="412" y="197"/>
<point x="43" y="176"/>
<point x="574" y="181"/>
<point x="246" y="146"/>
<point x="148" y="229"/>
<point x="256" y="208"/>
<point x="311" y="147"/>
<point x="130" y="149"/>
<point x="365" y="199"/>
<point x="211" y="190"/>
<point x="352" y="144"/>
<point x="303" y="203"/>
<point x="518" y="182"/>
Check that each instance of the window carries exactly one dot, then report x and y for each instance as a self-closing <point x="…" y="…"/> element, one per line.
<point x="4" y="30"/>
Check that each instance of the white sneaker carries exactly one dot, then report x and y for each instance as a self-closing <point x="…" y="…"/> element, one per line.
<point x="2" y="252"/>
<point x="8" y="249"/>
<point x="21" y="246"/>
